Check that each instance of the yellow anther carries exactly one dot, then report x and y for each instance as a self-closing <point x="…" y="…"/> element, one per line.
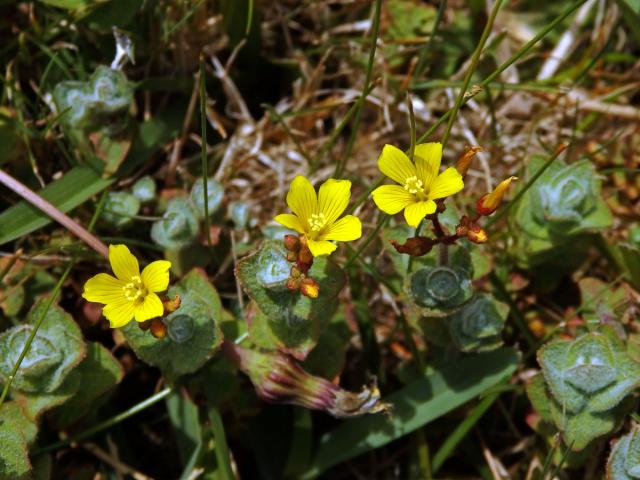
<point x="413" y="185"/>
<point x="317" y="221"/>
<point x="134" y="289"/>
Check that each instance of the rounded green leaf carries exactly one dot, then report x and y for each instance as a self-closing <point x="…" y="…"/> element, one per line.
<point x="179" y="225"/>
<point x="193" y="330"/>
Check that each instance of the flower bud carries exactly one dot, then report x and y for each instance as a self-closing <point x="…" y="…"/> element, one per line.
<point x="171" y="305"/>
<point x="476" y="234"/>
<point x="158" y="328"/>
<point x="278" y="379"/>
<point x="489" y="202"/>
<point x="415" y="246"/>
<point x="310" y="288"/>
<point x="464" y="162"/>
<point x="292" y="243"/>
<point x="305" y="259"/>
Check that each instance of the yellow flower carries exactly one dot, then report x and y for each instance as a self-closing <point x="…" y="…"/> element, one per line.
<point x="420" y="183"/>
<point x="130" y="294"/>
<point x="316" y="216"/>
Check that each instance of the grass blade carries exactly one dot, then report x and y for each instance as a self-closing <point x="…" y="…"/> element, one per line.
<point x="417" y="404"/>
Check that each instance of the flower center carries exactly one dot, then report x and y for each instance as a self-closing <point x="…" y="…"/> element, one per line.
<point x="317" y="221"/>
<point x="134" y="289"/>
<point x="413" y="185"/>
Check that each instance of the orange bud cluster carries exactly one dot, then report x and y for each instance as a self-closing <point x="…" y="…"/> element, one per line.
<point x="298" y="253"/>
<point x="471" y="230"/>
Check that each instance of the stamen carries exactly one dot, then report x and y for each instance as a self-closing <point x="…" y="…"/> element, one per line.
<point x="317" y="221"/>
<point x="134" y="289"/>
<point x="413" y="185"/>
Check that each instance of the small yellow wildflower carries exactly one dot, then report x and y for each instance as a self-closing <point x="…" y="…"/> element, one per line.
<point x="420" y="183"/>
<point x="130" y="294"/>
<point x="316" y="216"/>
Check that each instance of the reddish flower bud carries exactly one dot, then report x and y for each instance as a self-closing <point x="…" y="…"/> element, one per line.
<point x="278" y="379"/>
<point x="414" y="246"/>
<point x="158" y="328"/>
<point x="292" y="243"/>
<point x="489" y="202"/>
<point x="310" y="288"/>
<point x="144" y="326"/>
<point x="305" y="258"/>
<point x="464" y="162"/>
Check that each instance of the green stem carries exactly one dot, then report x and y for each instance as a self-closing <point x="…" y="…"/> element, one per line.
<point x="203" y="143"/>
<point x="107" y="423"/>
<point x="221" y="447"/>
<point x="420" y="68"/>
<point x="412" y="127"/>
<point x="472" y="68"/>
<point x="367" y="81"/>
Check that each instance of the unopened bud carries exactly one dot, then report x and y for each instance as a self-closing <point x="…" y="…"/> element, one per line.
<point x="171" y="305"/>
<point x="158" y="328"/>
<point x="310" y="288"/>
<point x="476" y="234"/>
<point x="292" y="243"/>
<point x="305" y="259"/>
<point x="144" y="326"/>
<point x="415" y="246"/>
<point x="278" y="379"/>
<point x="489" y="202"/>
<point x="464" y="162"/>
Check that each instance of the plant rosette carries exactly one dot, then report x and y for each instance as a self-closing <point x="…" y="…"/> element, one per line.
<point x="564" y="202"/>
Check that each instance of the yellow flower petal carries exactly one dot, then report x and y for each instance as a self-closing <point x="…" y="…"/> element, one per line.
<point x="119" y="313"/>
<point x="427" y="157"/>
<point x="320" y="247"/>
<point x="155" y="276"/>
<point x="392" y="199"/>
<point x="344" y="230"/>
<point x="445" y="184"/>
<point x="290" y="221"/>
<point x="150" y="307"/>
<point x="415" y="212"/>
<point x="123" y="263"/>
<point x="302" y="199"/>
<point x="396" y="165"/>
<point x="333" y="198"/>
<point x="103" y="288"/>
